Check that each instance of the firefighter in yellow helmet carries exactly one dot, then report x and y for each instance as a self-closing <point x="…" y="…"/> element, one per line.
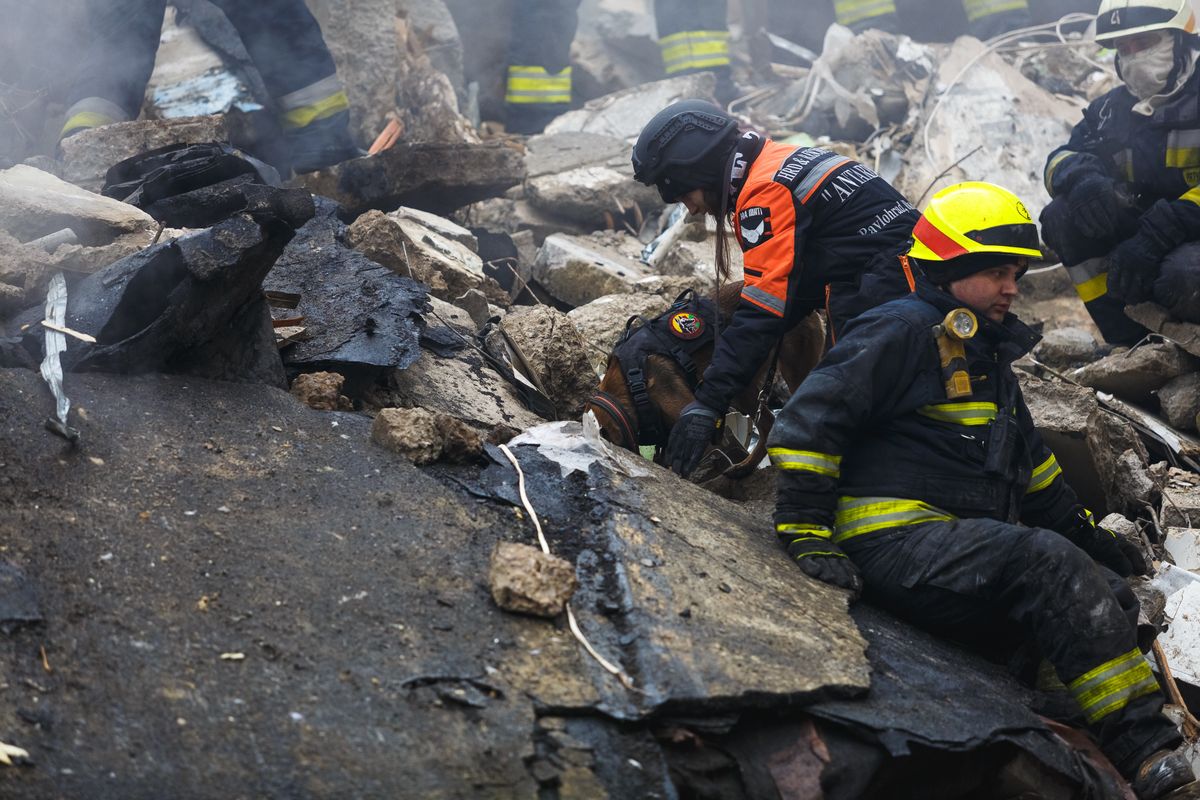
<point x="909" y="468"/>
<point x="1125" y="218"/>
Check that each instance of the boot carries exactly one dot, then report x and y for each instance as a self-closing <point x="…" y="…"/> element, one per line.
<point x="1161" y="774"/>
<point x="322" y="143"/>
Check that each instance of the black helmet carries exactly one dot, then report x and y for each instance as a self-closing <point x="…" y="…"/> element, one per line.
<point x="684" y="147"/>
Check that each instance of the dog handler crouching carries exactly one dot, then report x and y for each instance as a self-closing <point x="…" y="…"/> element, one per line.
<point x="816" y="230"/>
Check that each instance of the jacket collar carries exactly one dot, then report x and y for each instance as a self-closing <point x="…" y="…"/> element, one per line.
<point x="1011" y="338"/>
<point x="747" y="149"/>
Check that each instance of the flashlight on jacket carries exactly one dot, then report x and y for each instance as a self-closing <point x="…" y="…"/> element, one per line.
<point x="958" y="326"/>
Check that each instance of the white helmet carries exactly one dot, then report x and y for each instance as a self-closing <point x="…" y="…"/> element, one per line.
<point x="1117" y="18"/>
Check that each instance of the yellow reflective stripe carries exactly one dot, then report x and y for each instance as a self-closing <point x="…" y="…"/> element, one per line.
<point x="806" y="461"/>
<point x="858" y="515"/>
<point x="322" y="109"/>
<point x="85" y="119"/>
<point x="1112" y="685"/>
<point x="803" y="530"/>
<point x="978" y="413"/>
<point x="1192" y="195"/>
<point x="536" y="85"/>
<point x="1048" y="178"/>
<point x="1044" y="475"/>
<point x="695" y="50"/>
<point x="1092" y="288"/>
<point x="1183" y="157"/>
<point x="849" y="12"/>
<point x="977" y="9"/>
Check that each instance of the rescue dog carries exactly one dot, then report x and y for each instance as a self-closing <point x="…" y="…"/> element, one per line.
<point x="668" y="385"/>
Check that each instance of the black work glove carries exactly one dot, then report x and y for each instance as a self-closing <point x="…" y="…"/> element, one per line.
<point x="820" y="558"/>
<point x="1106" y="547"/>
<point x="1132" y="268"/>
<point x="1094" y="207"/>
<point x="697" y="428"/>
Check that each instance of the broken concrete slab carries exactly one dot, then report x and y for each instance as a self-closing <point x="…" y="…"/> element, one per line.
<point x="86" y="156"/>
<point x="35" y="203"/>
<point x="524" y="580"/>
<point x="1159" y="320"/>
<point x="407" y="246"/>
<point x="622" y="115"/>
<point x="601" y="322"/>
<point x="1181" y="499"/>
<point x="584" y="176"/>
<point x="579" y="269"/>
<point x="661" y="560"/>
<point x="516" y="216"/>
<point x="1133" y="475"/>
<point x="1133" y="375"/>
<point x="430" y="176"/>
<point x="975" y="131"/>
<point x="556" y="353"/>
<point x="696" y="261"/>
<point x="321" y="391"/>
<point x="361" y="316"/>
<point x="463" y="386"/>
<point x="1066" y="347"/>
<point x="1180" y="401"/>
<point x="1184" y="546"/>
<point x="1087" y="441"/>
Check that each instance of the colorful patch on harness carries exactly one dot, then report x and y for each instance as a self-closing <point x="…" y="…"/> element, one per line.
<point x="686" y="325"/>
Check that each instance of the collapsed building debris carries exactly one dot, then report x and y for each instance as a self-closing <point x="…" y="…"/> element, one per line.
<point x="712" y="666"/>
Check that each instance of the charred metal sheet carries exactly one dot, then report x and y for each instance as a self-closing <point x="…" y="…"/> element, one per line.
<point x="358" y="313"/>
<point x="193" y="305"/>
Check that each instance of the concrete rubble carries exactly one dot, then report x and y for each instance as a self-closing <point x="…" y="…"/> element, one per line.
<point x="525" y="580"/>
<point x="287" y="523"/>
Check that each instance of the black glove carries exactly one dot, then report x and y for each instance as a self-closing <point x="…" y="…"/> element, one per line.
<point x="1106" y="547"/>
<point x="820" y="558"/>
<point x="1094" y="207"/>
<point x="696" y="428"/>
<point x="1132" y="268"/>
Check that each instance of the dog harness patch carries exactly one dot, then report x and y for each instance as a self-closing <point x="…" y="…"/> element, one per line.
<point x="686" y="325"/>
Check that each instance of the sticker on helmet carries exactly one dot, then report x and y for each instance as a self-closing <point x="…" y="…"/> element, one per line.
<point x="1023" y="211"/>
<point x="754" y="226"/>
<point x="686" y="325"/>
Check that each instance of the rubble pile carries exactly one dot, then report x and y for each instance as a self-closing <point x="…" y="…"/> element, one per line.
<point x="326" y="495"/>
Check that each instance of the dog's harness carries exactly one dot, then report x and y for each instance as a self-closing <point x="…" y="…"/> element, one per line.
<point x="689" y="324"/>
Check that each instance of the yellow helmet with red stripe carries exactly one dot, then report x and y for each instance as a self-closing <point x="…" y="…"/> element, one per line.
<point x="974" y="217"/>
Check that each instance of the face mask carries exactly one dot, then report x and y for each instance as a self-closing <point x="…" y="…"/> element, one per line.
<point x="1145" y="72"/>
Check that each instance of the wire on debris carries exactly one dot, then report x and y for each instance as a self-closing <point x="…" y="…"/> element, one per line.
<point x="621" y="675"/>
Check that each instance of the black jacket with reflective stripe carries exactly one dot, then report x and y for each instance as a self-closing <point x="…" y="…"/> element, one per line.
<point x="878" y="403"/>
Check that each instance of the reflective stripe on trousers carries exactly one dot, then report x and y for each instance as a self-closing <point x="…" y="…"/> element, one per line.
<point x="849" y="12"/>
<point x="858" y="515"/>
<point x="694" y="50"/>
<point x="535" y="85"/>
<point x="1090" y="278"/>
<point x="1112" y="685"/>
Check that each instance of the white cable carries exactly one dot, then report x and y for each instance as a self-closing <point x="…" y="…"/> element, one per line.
<point x="626" y="681"/>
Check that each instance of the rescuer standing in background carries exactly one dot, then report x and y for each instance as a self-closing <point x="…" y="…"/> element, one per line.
<point x="282" y="38"/>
